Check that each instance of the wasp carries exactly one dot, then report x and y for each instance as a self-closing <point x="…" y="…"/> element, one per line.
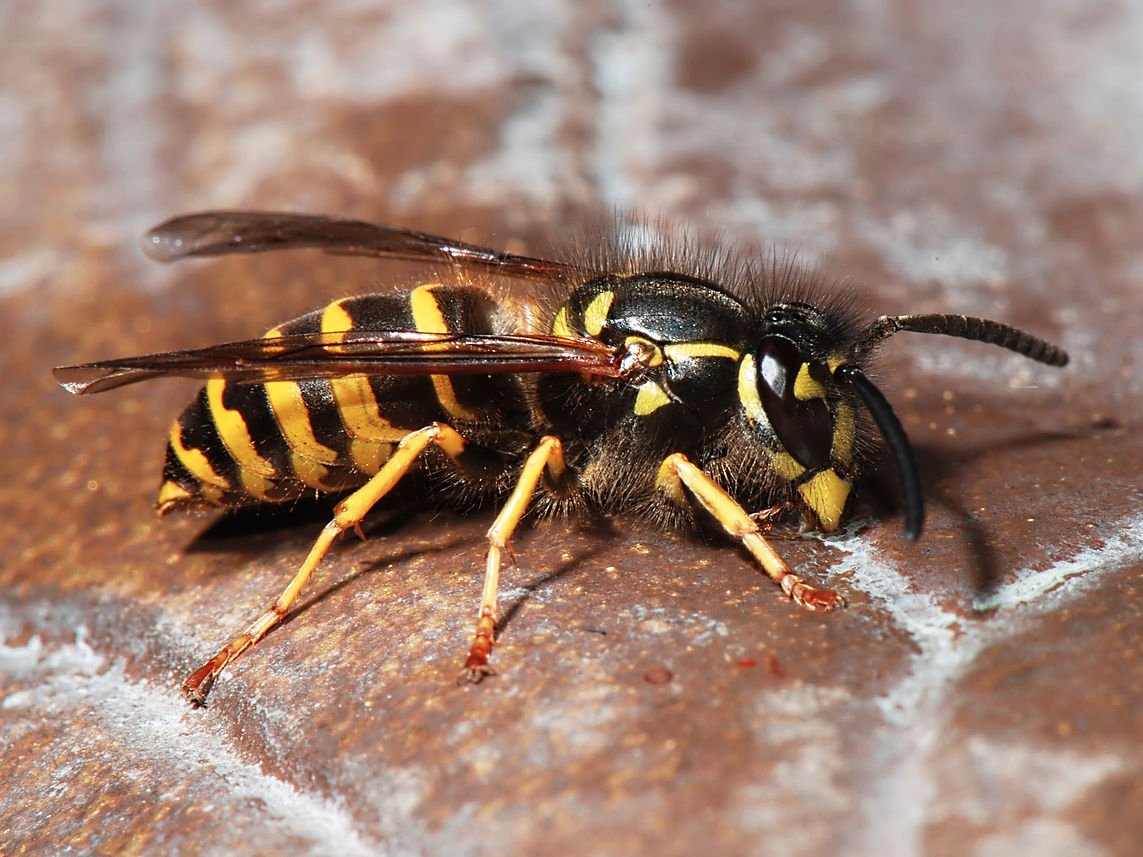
<point x="634" y="381"/>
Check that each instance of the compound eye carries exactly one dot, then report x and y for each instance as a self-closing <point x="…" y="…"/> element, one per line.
<point x="792" y="392"/>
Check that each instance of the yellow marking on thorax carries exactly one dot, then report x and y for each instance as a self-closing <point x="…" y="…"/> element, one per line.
<point x="354" y="396"/>
<point x="596" y="313"/>
<point x="650" y="398"/>
<point x="650" y="348"/>
<point x="235" y="434"/>
<point x="195" y="460"/>
<point x="698" y="349"/>
<point x="807" y="387"/>
<point x="748" y="391"/>
<point x="825" y="492"/>
<point x="428" y="318"/>
<point x="560" y="323"/>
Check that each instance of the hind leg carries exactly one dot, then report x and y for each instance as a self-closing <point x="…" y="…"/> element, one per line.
<point x="348" y="515"/>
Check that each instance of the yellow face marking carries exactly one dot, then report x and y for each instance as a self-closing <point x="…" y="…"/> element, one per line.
<point x="560" y="323"/>
<point x="826" y="493"/>
<point x="235" y="434"/>
<point x="171" y="496"/>
<point x="748" y="391"/>
<point x="807" y="387"/>
<point x="195" y="461"/>
<point x="650" y="398"/>
<point x="428" y="318"/>
<point x="844" y="433"/>
<point x="835" y="360"/>
<point x="684" y="350"/>
<point x="596" y="313"/>
<point x="786" y="466"/>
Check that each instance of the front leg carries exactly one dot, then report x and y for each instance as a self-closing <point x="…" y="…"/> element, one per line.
<point x="683" y="482"/>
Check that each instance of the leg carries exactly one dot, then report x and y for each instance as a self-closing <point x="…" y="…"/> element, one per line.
<point x="773" y="519"/>
<point x="548" y="455"/>
<point x="677" y="473"/>
<point x="348" y="515"/>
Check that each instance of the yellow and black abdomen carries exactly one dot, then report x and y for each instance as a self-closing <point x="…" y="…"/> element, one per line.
<point x="240" y="444"/>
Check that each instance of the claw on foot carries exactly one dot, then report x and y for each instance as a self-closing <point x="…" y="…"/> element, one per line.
<point x="474" y="673"/>
<point x="784" y="520"/>
<point x="804" y="595"/>
<point x="198" y="684"/>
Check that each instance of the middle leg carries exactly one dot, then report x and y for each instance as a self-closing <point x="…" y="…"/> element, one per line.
<point x="548" y="456"/>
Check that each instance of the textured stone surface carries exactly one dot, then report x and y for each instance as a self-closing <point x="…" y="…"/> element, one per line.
<point x="981" y="694"/>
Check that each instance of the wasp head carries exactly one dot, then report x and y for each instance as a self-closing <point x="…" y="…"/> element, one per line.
<point x="803" y="381"/>
<point x="788" y="390"/>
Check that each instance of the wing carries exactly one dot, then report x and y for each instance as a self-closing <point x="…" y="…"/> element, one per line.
<point x="301" y="357"/>
<point x="216" y="233"/>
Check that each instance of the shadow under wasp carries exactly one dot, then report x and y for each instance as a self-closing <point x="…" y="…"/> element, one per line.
<point x="639" y="380"/>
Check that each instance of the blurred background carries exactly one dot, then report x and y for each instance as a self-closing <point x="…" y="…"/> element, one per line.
<point x="981" y="694"/>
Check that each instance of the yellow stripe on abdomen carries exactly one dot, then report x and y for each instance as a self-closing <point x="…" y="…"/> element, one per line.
<point x="195" y="461"/>
<point x="353" y="394"/>
<point x="369" y="456"/>
<point x="310" y="459"/>
<point x="234" y="432"/>
<point x="428" y="318"/>
<point x="293" y="418"/>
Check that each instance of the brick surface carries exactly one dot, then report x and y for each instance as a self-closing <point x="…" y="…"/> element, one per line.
<point x="980" y="695"/>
